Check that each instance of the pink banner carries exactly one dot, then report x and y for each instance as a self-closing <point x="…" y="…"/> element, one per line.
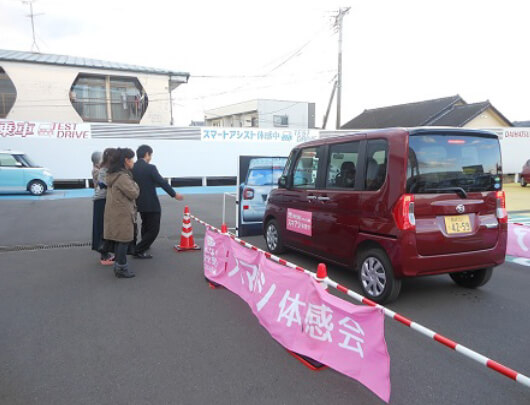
<point x="301" y="315"/>
<point x="518" y="240"/>
<point x="300" y="221"/>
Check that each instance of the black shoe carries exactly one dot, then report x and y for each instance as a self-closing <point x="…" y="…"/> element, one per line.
<point x="122" y="271"/>
<point x="143" y="255"/>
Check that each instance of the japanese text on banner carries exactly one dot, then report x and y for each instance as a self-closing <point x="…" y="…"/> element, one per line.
<point x="256" y="135"/>
<point x="301" y="315"/>
<point x="44" y="130"/>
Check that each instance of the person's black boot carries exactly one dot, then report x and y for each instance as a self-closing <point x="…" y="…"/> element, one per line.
<point x="122" y="271"/>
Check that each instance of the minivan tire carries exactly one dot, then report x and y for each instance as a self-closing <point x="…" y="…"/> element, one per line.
<point x="273" y="238"/>
<point x="473" y="278"/>
<point x="374" y="265"/>
<point x="523" y="182"/>
<point x="36" y="187"/>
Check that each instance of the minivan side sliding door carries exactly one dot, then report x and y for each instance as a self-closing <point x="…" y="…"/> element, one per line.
<point x="339" y="201"/>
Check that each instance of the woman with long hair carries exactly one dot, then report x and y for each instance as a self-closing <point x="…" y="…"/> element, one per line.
<point x="120" y="208"/>
<point x="100" y="197"/>
<point x="100" y="164"/>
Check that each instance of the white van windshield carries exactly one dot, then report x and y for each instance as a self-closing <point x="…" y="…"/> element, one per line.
<point x="439" y="163"/>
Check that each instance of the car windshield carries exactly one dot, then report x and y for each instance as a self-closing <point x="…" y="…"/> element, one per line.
<point x="264" y="177"/>
<point x="25" y="160"/>
<point x="452" y="163"/>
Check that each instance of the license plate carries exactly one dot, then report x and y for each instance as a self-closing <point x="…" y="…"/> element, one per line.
<point x="458" y="224"/>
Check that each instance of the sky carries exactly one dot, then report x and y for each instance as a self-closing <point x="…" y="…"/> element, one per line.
<point x="393" y="51"/>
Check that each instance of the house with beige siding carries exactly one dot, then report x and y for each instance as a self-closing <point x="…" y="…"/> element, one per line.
<point x="45" y="87"/>
<point x="451" y="111"/>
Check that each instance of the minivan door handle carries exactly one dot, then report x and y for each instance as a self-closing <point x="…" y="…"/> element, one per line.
<point x="324" y="198"/>
<point x="311" y="197"/>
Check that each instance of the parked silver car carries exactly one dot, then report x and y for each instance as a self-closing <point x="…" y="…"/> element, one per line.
<point x="256" y="188"/>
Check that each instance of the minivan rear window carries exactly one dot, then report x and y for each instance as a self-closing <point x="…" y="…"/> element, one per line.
<point x="443" y="162"/>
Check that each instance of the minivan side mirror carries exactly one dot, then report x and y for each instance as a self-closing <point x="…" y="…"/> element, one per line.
<point x="282" y="182"/>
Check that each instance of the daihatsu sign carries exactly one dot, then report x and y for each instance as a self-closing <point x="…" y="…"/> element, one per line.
<point x="44" y="130"/>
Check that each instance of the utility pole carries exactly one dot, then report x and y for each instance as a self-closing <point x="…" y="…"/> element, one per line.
<point x="170" y="101"/>
<point x="325" y="120"/>
<point x="32" y="16"/>
<point x="338" y="26"/>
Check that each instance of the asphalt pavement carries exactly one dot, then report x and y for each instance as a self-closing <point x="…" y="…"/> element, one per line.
<point x="71" y="333"/>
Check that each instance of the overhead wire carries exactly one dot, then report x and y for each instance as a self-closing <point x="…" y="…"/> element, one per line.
<point x="254" y="87"/>
<point x="297" y="52"/>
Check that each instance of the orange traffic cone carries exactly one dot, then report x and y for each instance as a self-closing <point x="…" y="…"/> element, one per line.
<point x="186" y="236"/>
<point x="322" y="274"/>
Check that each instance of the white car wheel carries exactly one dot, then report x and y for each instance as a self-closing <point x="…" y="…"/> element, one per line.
<point x="37" y="188"/>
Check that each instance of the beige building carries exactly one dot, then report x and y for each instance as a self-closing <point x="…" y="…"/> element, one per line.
<point x="45" y="87"/>
<point x="263" y="113"/>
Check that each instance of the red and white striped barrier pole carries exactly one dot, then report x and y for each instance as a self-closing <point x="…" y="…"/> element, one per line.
<point x="506" y="371"/>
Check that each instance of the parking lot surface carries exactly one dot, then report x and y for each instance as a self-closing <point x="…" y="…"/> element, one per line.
<point x="73" y="333"/>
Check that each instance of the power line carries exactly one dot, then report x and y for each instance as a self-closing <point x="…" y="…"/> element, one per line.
<point x="234" y="90"/>
<point x="297" y="52"/>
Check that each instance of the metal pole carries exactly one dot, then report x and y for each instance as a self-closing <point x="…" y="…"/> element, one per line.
<point x="32" y="16"/>
<point x="340" y="17"/>
<point x="32" y="25"/>
<point x="170" y="102"/>
<point x="224" y="207"/>
<point x="325" y="121"/>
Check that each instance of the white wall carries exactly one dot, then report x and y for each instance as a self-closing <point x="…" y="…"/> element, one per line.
<point x="515" y="146"/>
<point x="70" y="159"/>
<point x="231" y="109"/>
<point x="43" y="92"/>
<point x="296" y="111"/>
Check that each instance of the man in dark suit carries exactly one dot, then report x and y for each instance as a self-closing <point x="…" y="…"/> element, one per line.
<point x="147" y="177"/>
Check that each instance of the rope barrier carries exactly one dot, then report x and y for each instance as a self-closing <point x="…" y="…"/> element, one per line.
<point x="485" y="361"/>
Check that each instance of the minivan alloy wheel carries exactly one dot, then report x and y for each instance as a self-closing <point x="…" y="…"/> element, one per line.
<point x="376" y="275"/>
<point x="373" y="276"/>
<point x="272" y="237"/>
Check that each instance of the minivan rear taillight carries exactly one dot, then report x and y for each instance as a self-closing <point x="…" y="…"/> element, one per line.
<point x="502" y="215"/>
<point x="248" y="193"/>
<point x="403" y="212"/>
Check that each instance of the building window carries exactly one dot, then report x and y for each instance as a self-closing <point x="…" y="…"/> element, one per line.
<point x="280" y="120"/>
<point x="8" y="94"/>
<point x="108" y="98"/>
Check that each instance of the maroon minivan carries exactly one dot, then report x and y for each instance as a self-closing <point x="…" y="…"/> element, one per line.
<point x="395" y="203"/>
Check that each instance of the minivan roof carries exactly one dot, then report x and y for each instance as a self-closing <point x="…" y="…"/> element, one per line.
<point x="351" y="135"/>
